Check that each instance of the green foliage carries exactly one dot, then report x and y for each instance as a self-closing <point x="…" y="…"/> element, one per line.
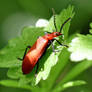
<point x="53" y="67"/>
<point x="13" y="83"/>
<point x="81" y="48"/>
<point x="75" y="71"/>
<point x="70" y="84"/>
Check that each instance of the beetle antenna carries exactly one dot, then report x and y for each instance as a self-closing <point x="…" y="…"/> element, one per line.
<point x="54" y="19"/>
<point x="64" y="24"/>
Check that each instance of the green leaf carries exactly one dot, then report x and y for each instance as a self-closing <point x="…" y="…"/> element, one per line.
<point x="81" y="48"/>
<point x="13" y="83"/>
<point x="48" y="64"/>
<point x="14" y="73"/>
<point x="70" y="84"/>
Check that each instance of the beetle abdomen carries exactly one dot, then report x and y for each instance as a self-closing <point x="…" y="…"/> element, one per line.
<point x="34" y="54"/>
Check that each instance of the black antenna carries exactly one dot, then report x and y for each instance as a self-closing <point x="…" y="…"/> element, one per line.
<point x="54" y="19"/>
<point x="64" y="24"/>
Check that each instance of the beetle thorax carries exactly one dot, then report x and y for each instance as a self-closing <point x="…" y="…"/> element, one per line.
<point x="52" y="35"/>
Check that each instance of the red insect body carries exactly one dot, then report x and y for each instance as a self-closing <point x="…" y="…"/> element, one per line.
<point x="39" y="47"/>
<point x="36" y="51"/>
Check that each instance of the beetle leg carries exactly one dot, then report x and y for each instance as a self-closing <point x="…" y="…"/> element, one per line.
<point x="61" y="43"/>
<point x="24" y="53"/>
<point x="53" y="48"/>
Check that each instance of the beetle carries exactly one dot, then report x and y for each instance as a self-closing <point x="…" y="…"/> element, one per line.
<point x="31" y="58"/>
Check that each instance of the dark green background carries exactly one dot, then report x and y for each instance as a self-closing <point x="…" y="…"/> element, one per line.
<point x="16" y="14"/>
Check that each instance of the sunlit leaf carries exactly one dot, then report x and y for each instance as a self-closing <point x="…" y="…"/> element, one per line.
<point x="81" y="48"/>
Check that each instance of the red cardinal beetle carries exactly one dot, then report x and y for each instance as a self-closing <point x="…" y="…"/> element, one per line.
<point x="38" y="49"/>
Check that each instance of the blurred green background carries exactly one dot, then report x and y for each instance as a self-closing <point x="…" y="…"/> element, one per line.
<point x="16" y="14"/>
